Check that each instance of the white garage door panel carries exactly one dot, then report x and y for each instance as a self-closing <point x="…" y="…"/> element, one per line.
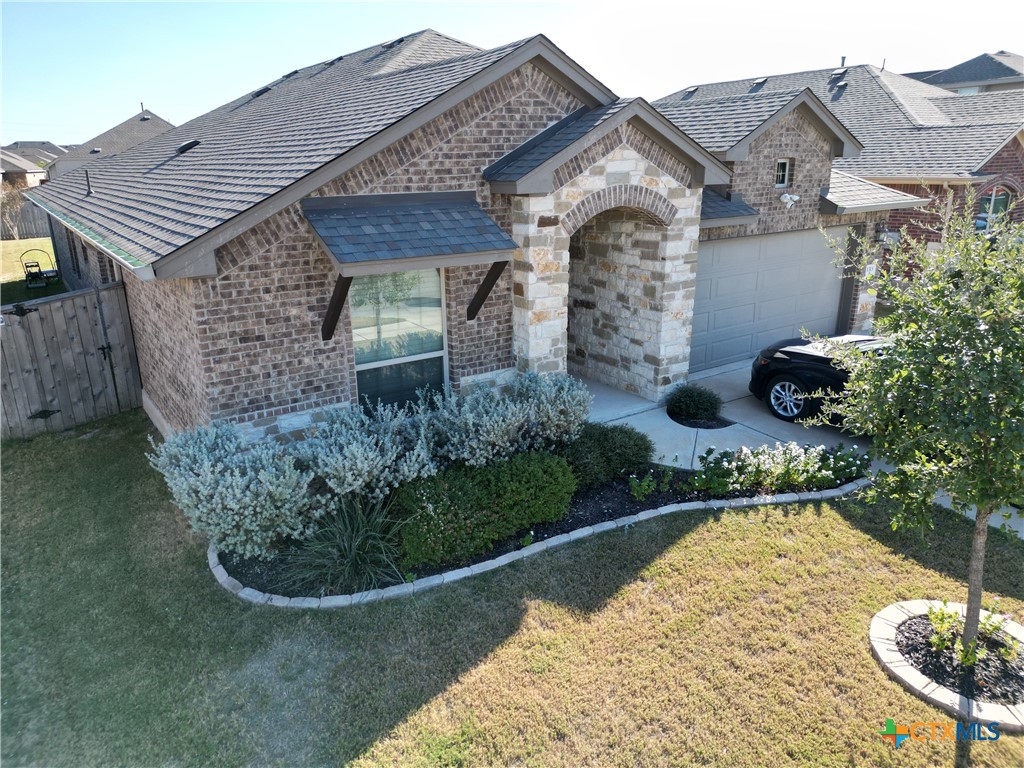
<point x="752" y="291"/>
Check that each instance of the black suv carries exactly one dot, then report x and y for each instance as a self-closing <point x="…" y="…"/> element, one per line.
<point x="784" y="373"/>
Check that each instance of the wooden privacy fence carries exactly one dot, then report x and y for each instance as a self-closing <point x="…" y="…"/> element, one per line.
<point x="67" y="360"/>
<point x="32" y="222"/>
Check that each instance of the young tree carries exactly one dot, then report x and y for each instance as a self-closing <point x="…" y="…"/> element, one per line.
<point x="944" y="402"/>
<point x="10" y="208"/>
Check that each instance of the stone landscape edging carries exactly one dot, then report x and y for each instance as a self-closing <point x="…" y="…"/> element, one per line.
<point x="882" y="634"/>
<point x="420" y="585"/>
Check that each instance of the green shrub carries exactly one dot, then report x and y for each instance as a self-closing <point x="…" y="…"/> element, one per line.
<point x="603" y="453"/>
<point x="461" y="511"/>
<point x="246" y="498"/>
<point x="355" y="548"/>
<point x="692" y="402"/>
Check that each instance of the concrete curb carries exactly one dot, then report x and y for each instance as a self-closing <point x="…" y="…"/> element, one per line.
<point x="430" y="582"/>
<point x="882" y="634"/>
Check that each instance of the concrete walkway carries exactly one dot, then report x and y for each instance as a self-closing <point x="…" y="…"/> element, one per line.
<point x="681" y="446"/>
<point x="754" y="426"/>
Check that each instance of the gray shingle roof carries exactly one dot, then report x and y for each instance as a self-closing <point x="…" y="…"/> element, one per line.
<point x="987" y="66"/>
<point x="546" y="145"/>
<point x="849" y="193"/>
<point x="131" y="132"/>
<point x="721" y="122"/>
<point x="149" y="200"/>
<point x="364" y="228"/>
<point x="714" y="206"/>
<point x="12" y="162"/>
<point x="909" y="129"/>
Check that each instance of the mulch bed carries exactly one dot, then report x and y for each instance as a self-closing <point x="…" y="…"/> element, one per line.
<point x="992" y="679"/>
<point x="588" y="507"/>
<point x="716" y="423"/>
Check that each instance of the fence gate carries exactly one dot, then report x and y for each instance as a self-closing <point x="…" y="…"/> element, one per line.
<point x="67" y="360"/>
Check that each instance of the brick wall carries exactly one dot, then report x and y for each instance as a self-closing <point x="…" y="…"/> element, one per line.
<point x="163" y="321"/>
<point x="258" y="322"/>
<point x="810" y="154"/>
<point x="81" y="265"/>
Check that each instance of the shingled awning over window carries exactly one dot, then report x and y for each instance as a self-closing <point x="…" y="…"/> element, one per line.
<point x="375" y="234"/>
<point x="372" y="234"/>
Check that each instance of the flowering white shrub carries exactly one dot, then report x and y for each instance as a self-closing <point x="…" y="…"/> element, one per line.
<point x="778" y="469"/>
<point x="368" y="451"/>
<point x="247" y="499"/>
<point x="559" y="406"/>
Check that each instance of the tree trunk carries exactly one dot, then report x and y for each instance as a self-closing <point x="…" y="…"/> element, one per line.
<point x="975" y="574"/>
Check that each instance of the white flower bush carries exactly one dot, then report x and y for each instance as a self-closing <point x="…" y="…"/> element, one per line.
<point x="247" y="499"/>
<point x="778" y="469"/>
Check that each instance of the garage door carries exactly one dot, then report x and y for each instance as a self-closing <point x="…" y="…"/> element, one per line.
<point x="752" y="291"/>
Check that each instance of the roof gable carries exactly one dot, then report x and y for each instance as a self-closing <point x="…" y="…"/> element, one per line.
<point x="267" y="149"/>
<point x="986" y="67"/>
<point x="135" y="130"/>
<point x="728" y="125"/>
<point x="530" y="168"/>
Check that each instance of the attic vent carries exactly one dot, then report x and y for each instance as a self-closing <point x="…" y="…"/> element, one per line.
<point x="293" y="72"/>
<point x="838" y="72"/>
<point x="187" y="146"/>
<point x="688" y="93"/>
<point x="144" y="118"/>
<point x="333" y="61"/>
<point x="261" y="91"/>
<point x="761" y="81"/>
<point x="392" y="44"/>
<point x="842" y="84"/>
<point x="95" y="150"/>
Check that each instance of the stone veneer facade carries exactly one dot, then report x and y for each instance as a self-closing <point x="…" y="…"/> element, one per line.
<point x="624" y="170"/>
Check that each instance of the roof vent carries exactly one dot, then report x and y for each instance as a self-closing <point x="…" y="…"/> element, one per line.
<point x="95" y="150"/>
<point x="761" y="81"/>
<point x="392" y="44"/>
<point x="842" y="84"/>
<point x="187" y="146"/>
<point x="261" y="91"/>
<point x="144" y="118"/>
<point x="333" y="61"/>
<point x="838" y="72"/>
<point x="293" y="72"/>
<point x="688" y="93"/>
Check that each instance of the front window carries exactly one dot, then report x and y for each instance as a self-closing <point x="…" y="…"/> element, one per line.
<point x="398" y="332"/>
<point x="993" y="203"/>
<point x="782" y="174"/>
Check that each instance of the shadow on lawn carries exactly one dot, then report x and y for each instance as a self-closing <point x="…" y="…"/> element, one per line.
<point x="947" y="548"/>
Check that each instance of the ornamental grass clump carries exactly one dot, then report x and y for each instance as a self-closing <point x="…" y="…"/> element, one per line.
<point x="355" y="548"/>
<point x="779" y="469"/>
<point x="247" y="499"/>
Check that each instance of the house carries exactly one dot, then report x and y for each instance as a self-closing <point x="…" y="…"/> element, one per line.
<point x="20" y="172"/>
<point x="918" y="139"/>
<point x="988" y="72"/>
<point x="133" y="131"/>
<point x="764" y="271"/>
<point x="418" y="213"/>
<point x="38" y="153"/>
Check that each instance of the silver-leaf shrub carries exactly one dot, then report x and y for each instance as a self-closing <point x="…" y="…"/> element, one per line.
<point x="246" y="498"/>
<point x="368" y="451"/>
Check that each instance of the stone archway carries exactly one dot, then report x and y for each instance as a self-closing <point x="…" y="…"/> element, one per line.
<point x="663" y="280"/>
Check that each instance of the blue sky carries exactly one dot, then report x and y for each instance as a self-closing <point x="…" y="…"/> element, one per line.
<point x="73" y="70"/>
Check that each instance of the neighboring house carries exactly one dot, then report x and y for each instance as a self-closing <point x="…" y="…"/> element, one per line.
<point x="19" y="171"/>
<point x="418" y="213"/>
<point x="999" y="71"/>
<point x="918" y="139"/>
<point x="39" y="153"/>
<point x="764" y="270"/>
<point x="131" y="132"/>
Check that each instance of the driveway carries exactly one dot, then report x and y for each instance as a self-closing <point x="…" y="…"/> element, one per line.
<point x="681" y="446"/>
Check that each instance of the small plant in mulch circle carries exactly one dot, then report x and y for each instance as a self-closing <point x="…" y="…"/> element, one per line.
<point x="695" y="406"/>
<point x="990" y="669"/>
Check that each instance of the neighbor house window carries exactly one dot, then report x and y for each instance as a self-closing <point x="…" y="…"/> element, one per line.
<point x="783" y="173"/>
<point x="398" y="330"/>
<point x="992" y="204"/>
<point x="969" y="91"/>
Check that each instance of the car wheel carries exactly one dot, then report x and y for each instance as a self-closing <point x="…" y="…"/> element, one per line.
<point x="787" y="399"/>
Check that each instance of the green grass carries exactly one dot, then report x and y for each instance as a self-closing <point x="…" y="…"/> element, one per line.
<point x="733" y="640"/>
<point x="12" y="275"/>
